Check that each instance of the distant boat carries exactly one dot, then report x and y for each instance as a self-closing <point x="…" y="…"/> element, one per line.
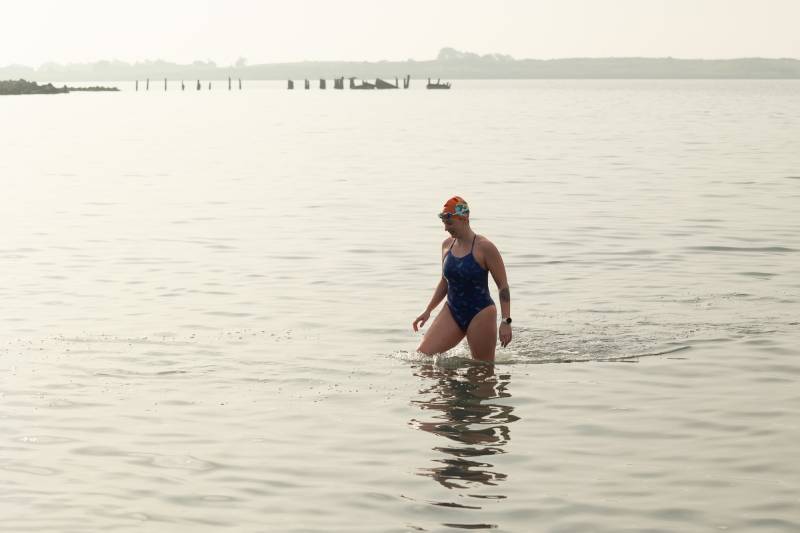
<point x="437" y="85"/>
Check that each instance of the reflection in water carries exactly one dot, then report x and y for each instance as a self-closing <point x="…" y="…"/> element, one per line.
<point x="462" y="403"/>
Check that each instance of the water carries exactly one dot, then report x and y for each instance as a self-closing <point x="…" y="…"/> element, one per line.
<point x="207" y="305"/>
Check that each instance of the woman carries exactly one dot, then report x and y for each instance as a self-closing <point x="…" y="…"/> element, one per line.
<point x="467" y="259"/>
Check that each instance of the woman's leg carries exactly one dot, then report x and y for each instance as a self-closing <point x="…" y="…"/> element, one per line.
<point x="443" y="334"/>
<point x="482" y="334"/>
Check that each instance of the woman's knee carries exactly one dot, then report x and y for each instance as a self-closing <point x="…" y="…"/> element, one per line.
<point x="433" y="345"/>
<point x="423" y="348"/>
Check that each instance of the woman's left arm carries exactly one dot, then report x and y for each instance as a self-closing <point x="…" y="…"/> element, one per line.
<point x="495" y="265"/>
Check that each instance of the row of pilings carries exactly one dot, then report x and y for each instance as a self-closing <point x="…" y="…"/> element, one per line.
<point x="338" y="83"/>
<point x="198" y="86"/>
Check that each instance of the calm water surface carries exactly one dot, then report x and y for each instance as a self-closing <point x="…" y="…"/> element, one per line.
<point x="207" y="298"/>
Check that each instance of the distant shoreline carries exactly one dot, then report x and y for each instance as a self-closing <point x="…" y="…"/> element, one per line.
<point x="450" y="64"/>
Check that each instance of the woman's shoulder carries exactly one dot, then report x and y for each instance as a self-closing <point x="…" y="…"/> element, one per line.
<point x="484" y="243"/>
<point x="447" y="242"/>
<point x="484" y="247"/>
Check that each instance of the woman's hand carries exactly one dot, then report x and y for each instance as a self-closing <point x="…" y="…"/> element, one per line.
<point x="504" y="334"/>
<point x="421" y="319"/>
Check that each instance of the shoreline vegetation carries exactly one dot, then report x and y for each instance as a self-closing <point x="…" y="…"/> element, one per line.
<point x="449" y="64"/>
<point x="14" y="87"/>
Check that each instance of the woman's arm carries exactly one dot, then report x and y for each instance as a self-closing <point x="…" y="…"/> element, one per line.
<point x="438" y="295"/>
<point x="495" y="265"/>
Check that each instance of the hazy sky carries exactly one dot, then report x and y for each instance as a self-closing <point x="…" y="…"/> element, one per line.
<point x="36" y="31"/>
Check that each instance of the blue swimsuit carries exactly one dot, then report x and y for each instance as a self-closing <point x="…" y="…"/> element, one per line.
<point x="467" y="286"/>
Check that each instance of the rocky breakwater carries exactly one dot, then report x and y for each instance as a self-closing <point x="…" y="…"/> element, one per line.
<point x="31" y="87"/>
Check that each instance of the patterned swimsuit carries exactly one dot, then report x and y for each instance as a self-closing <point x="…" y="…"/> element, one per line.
<point x="467" y="286"/>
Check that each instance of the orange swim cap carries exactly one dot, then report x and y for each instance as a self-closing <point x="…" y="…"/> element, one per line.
<point x="455" y="207"/>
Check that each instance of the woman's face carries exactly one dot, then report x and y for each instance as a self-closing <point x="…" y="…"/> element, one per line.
<point x="453" y="225"/>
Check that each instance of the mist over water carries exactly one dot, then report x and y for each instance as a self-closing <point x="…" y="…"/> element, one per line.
<point x="208" y="300"/>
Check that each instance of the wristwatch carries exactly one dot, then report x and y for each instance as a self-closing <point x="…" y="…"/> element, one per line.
<point x="506" y="321"/>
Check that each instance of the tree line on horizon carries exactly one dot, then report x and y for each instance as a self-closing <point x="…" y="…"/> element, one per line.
<point x="449" y="64"/>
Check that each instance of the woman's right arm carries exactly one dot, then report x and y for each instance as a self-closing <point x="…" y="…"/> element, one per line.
<point x="438" y="295"/>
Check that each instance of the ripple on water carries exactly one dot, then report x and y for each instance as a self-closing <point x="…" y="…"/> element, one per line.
<point x="176" y="462"/>
<point x="162" y="461"/>
<point x="760" y="275"/>
<point x="742" y="249"/>
<point x="24" y="468"/>
<point x="44" y="440"/>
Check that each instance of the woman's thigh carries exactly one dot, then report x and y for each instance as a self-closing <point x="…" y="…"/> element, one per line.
<point x="482" y="334"/>
<point x="443" y="334"/>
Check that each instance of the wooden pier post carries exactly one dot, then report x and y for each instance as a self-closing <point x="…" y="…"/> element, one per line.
<point x="198" y="85"/>
<point x="165" y="84"/>
<point x="290" y="85"/>
<point x="183" y="86"/>
<point x="209" y="86"/>
<point x="137" y="85"/>
<point x="229" y="83"/>
<point x="240" y="84"/>
<point x="407" y="81"/>
<point x="308" y="84"/>
<point x="322" y="83"/>
<point x="147" y="86"/>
